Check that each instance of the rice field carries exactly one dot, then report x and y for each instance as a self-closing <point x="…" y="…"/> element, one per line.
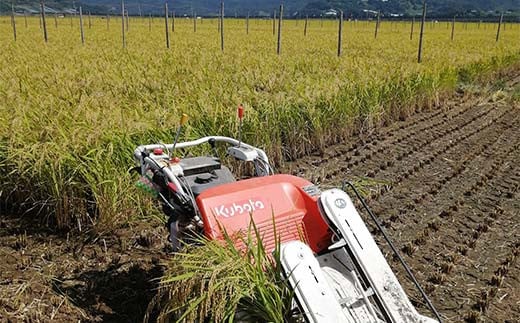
<point x="72" y="113"/>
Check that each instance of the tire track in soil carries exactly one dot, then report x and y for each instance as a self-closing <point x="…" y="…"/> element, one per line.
<point x="451" y="202"/>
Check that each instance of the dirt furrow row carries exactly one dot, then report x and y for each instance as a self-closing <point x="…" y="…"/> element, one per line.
<point x="424" y="120"/>
<point x="445" y="185"/>
<point x="437" y="241"/>
<point x="433" y="173"/>
<point x="458" y="238"/>
<point x="362" y="153"/>
<point x="442" y="172"/>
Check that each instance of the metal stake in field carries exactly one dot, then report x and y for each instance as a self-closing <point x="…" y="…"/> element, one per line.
<point x="279" y="42"/>
<point x="411" y="30"/>
<point x="453" y="28"/>
<point x="340" y="32"/>
<point x="56" y="20"/>
<point x="499" y="25"/>
<point x="222" y="25"/>
<point x="13" y="22"/>
<point x="108" y="22"/>
<point x="419" y="55"/>
<point x="81" y="25"/>
<point x="377" y="23"/>
<point x="194" y="22"/>
<point x="167" y="29"/>
<point x="305" y="27"/>
<point x="25" y="18"/>
<point x="150" y="22"/>
<point x="127" y="21"/>
<point x="42" y="8"/>
<point x="89" y="21"/>
<point x="123" y="22"/>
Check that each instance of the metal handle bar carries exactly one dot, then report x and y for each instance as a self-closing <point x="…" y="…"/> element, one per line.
<point x="145" y="148"/>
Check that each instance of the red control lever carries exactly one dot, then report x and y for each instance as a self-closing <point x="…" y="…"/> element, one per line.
<point x="240" y="112"/>
<point x="240" y="116"/>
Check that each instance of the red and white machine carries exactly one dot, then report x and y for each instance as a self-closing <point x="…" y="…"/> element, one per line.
<point x="329" y="256"/>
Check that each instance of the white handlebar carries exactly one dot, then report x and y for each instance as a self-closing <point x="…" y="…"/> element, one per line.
<point x="147" y="148"/>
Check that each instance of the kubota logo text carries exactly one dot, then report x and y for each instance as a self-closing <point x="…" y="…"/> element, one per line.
<point x="238" y="208"/>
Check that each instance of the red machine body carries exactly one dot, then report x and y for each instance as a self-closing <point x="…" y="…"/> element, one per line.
<point x="292" y="201"/>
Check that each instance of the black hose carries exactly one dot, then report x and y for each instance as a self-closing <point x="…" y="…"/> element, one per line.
<point x="408" y="270"/>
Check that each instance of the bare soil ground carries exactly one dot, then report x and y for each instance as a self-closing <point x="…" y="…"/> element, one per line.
<point x="445" y="183"/>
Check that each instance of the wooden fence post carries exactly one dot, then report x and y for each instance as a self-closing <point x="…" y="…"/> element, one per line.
<point x="56" y="20"/>
<point x="194" y="22"/>
<point x="274" y="22"/>
<point x="173" y="21"/>
<point x="411" y="30"/>
<point x="222" y="25"/>
<point x="340" y="32"/>
<point x="247" y="24"/>
<point x="305" y="28"/>
<point x="167" y="25"/>
<point x="13" y="21"/>
<point x="419" y="55"/>
<point x="453" y="28"/>
<point x="89" y="21"/>
<point x="377" y="23"/>
<point x="25" y="18"/>
<point x="279" y="42"/>
<point x="81" y="25"/>
<point x="499" y="25"/>
<point x="44" y="24"/>
<point x="108" y="22"/>
<point x="123" y="22"/>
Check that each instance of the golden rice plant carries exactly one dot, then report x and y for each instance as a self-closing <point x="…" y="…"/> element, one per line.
<point x="71" y="114"/>
<point x="219" y="281"/>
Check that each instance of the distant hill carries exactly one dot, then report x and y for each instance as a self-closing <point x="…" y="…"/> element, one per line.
<point x="292" y="8"/>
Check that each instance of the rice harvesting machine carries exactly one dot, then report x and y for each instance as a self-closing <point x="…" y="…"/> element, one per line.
<point x="328" y="255"/>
